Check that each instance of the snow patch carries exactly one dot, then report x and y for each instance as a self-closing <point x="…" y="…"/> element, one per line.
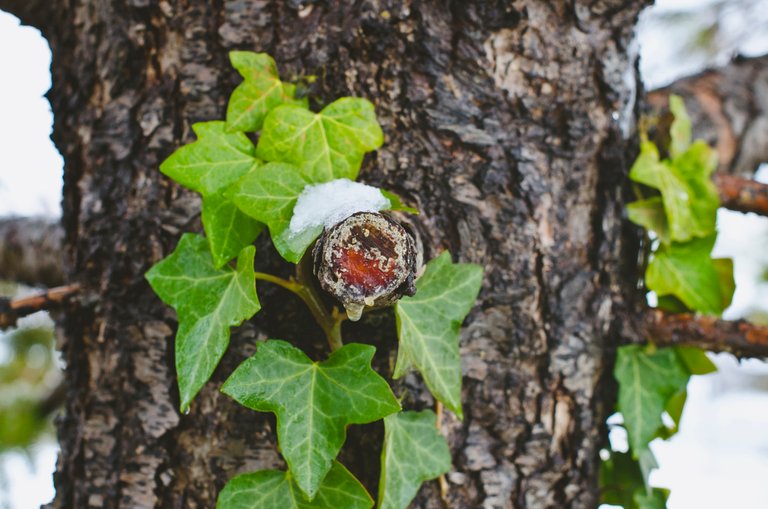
<point x="331" y="202"/>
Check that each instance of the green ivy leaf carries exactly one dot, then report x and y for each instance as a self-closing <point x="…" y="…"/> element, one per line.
<point x="228" y="230"/>
<point x="724" y="269"/>
<point x="314" y="401"/>
<point x="327" y="145"/>
<point x="686" y="271"/>
<point x="647" y="381"/>
<point x="216" y="160"/>
<point x="272" y="489"/>
<point x="396" y="203"/>
<point x="696" y="166"/>
<point x="695" y="360"/>
<point x="689" y="196"/>
<point x="208" y="302"/>
<point x="680" y="130"/>
<point x="674" y="408"/>
<point x="428" y="326"/>
<point x="671" y="304"/>
<point x="620" y="478"/>
<point x="655" y="499"/>
<point x="414" y="451"/>
<point x="259" y="93"/>
<point x="650" y="215"/>
<point x="269" y="195"/>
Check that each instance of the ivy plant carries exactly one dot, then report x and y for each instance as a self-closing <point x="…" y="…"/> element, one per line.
<point x="211" y="283"/>
<point x="678" y="207"/>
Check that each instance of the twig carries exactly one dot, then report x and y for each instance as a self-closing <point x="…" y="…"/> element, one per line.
<point x="739" y="337"/>
<point x="743" y="195"/>
<point x="13" y="309"/>
<point x="441" y="480"/>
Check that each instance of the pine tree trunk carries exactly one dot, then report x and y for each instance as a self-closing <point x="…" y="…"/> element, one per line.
<point x="508" y="124"/>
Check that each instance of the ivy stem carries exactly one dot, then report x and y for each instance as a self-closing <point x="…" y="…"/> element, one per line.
<point x="329" y="322"/>
<point x="442" y="481"/>
<point x="288" y="285"/>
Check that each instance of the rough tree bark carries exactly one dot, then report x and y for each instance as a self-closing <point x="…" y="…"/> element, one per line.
<point x="507" y="123"/>
<point x="30" y="251"/>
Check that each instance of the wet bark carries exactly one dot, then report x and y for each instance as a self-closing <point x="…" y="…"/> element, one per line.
<point x="508" y="124"/>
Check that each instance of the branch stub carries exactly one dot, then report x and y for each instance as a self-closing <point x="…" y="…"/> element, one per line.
<point x="366" y="260"/>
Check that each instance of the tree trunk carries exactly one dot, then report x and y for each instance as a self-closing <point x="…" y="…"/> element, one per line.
<point x="508" y="124"/>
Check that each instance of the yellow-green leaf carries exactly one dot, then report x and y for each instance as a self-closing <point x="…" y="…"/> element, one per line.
<point x="680" y="130"/>
<point x="724" y="269"/>
<point x="650" y="215"/>
<point x="689" y="196"/>
<point x="326" y="145"/>
<point x="260" y="92"/>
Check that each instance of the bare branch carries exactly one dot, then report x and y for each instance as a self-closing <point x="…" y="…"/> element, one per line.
<point x="741" y="338"/>
<point x="13" y="309"/>
<point x="743" y="195"/>
<point x="31" y="252"/>
<point x="728" y="110"/>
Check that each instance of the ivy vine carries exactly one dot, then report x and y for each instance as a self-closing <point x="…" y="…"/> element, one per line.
<point x="210" y="282"/>
<point x="678" y="207"/>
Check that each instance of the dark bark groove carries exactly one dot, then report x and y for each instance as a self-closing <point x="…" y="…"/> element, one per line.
<point x="508" y="124"/>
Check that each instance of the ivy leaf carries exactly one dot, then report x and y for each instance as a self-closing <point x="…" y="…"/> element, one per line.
<point x="647" y="381"/>
<point x="259" y="93"/>
<point x="413" y="452"/>
<point x="313" y="401"/>
<point x="671" y="304"/>
<point x="216" y="160"/>
<point x="396" y="203"/>
<point x="269" y="195"/>
<point x="686" y="271"/>
<point x="270" y="489"/>
<point x="695" y="360"/>
<point x="724" y="269"/>
<point x="650" y="215"/>
<point x="208" y="302"/>
<point x="228" y="230"/>
<point x="680" y="130"/>
<point x="674" y="408"/>
<point x="655" y="499"/>
<point x="428" y="326"/>
<point x="689" y="196"/>
<point x="696" y="166"/>
<point x="620" y="478"/>
<point x="327" y="145"/>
